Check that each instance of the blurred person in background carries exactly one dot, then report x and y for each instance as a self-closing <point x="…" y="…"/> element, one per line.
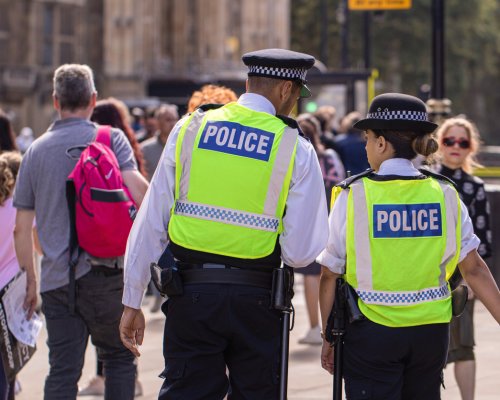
<point x="7" y="135"/>
<point x="137" y="123"/>
<point x="113" y="112"/>
<point x="166" y="117"/>
<point x="326" y="117"/>
<point x="350" y="144"/>
<point x="150" y="125"/>
<point x="25" y="138"/>
<point x="211" y="94"/>
<point x="459" y="143"/>
<point x="333" y="172"/>
<point x="9" y="266"/>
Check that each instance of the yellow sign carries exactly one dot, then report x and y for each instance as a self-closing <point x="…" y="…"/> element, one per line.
<point x="379" y="4"/>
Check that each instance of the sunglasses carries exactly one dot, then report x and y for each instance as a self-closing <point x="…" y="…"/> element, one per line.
<point x="462" y="143"/>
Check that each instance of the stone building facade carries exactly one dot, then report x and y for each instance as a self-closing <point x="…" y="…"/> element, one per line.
<point x="136" y="48"/>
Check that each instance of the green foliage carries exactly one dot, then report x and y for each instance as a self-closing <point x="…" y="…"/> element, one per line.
<point x="402" y="50"/>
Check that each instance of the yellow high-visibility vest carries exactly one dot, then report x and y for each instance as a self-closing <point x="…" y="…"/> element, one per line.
<point x="403" y="243"/>
<point x="233" y="172"/>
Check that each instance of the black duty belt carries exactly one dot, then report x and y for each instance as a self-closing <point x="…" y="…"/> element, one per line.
<point x="105" y="270"/>
<point x="226" y="275"/>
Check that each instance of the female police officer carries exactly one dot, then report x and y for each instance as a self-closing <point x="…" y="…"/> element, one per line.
<point x="397" y="234"/>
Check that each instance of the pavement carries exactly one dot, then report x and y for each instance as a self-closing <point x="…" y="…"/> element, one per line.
<point x="307" y="380"/>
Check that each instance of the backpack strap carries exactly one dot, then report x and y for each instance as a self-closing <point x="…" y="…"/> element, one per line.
<point x="103" y="135"/>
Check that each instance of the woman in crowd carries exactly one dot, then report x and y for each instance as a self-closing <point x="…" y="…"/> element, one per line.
<point x="397" y="235"/>
<point x="7" y="136"/>
<point x="114" y="112"/>
<point x="9" y="267"/>
<point x="458" y="144"/>
<point x="333" y="173"/>
<point x="210" y="94"/>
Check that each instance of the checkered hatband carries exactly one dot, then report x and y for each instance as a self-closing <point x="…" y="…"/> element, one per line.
<point x="402" y="114"/>
<point x="282" y="73"/>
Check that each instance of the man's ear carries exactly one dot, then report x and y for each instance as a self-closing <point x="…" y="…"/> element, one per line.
<point x="285" y="89"/>
<point x="55" y="102"/>
<point x="93" y="99"/>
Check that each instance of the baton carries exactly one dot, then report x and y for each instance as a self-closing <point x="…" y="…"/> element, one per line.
<point x="282" y="301"/>
<point x="285" y="339"/>
<point x="338" y="332"/>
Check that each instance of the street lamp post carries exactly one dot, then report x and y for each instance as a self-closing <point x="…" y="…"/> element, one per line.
<point x="439" y="106"/>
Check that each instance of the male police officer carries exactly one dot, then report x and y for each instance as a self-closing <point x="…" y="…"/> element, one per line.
<point x="221" y="189"/>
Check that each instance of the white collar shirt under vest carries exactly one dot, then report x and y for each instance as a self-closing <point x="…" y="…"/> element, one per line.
<point x="305" y="223"/>
<point x="334" y="255"/>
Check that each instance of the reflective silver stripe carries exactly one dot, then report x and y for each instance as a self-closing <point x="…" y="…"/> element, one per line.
<point x="362" y="237"/>
<point x="404" y="298"/>
<point x="451" y="201"/>
<point x="226" y="215"/>
<point x="280" y="168"/>
<point x="187" y="152"/>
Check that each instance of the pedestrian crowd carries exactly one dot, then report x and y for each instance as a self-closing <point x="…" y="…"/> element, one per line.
<point x="228" y="199"/>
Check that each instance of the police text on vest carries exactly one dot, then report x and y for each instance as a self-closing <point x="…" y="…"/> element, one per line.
<point x="406" y="220"/>
<point x="237" y="139"/>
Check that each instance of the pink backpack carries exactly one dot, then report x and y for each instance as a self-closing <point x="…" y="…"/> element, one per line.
<point x="104" y="209"/>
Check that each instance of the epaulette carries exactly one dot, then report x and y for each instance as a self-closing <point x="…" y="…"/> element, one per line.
<point x="437" y="176"/>
<point x="289" y="121"/>
<point x="211" y="106"/>
<point x="348" y="181"/>
<point x="292" y="124"/>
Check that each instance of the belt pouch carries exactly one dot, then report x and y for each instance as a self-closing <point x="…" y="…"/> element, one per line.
<point x="282" y="289"/>
<point x="171" y="282"/>
<point x="351" y="303"/>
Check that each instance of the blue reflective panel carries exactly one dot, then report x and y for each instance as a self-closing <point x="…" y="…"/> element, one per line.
<point x="406" y="220"/>
<point x="240" y="140"/>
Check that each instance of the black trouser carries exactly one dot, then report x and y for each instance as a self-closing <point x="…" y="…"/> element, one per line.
<point x="214" y="326"/>
<point x="383" y="363"/>
<point x="98" y="313"/>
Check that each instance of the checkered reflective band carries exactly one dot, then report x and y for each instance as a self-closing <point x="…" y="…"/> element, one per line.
<point x="401" y="114"/>
<point x="287" y="73"/>
<point x="226" y="215"/>
<point x="403" y="298"/>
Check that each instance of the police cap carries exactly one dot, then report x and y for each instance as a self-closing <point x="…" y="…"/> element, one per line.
<point x="398" y="112"/>
<point x="280" y="64"/>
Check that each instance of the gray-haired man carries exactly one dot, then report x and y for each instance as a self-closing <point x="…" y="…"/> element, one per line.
<point x="40" y="192"/>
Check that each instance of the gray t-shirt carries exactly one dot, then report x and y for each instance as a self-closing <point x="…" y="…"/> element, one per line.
<point x="151" y="150"/>
<point x="41" y="186"/>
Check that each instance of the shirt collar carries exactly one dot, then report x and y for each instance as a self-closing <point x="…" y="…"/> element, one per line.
<point x="398" y="166"/>
<point x="256" y="102"/>
<point x="59" y="123"/>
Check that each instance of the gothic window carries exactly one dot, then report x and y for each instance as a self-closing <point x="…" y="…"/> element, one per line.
<point x="59" y="34"/>
<point x="4" y="33"/>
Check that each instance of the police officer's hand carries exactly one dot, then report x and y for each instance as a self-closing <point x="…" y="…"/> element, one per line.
<point x="327" y="357"/>
<point x="132" y="327"/>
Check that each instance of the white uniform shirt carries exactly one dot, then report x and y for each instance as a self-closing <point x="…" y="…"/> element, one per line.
<point x="334" y="255"/>
<point x="305" y="226"/>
